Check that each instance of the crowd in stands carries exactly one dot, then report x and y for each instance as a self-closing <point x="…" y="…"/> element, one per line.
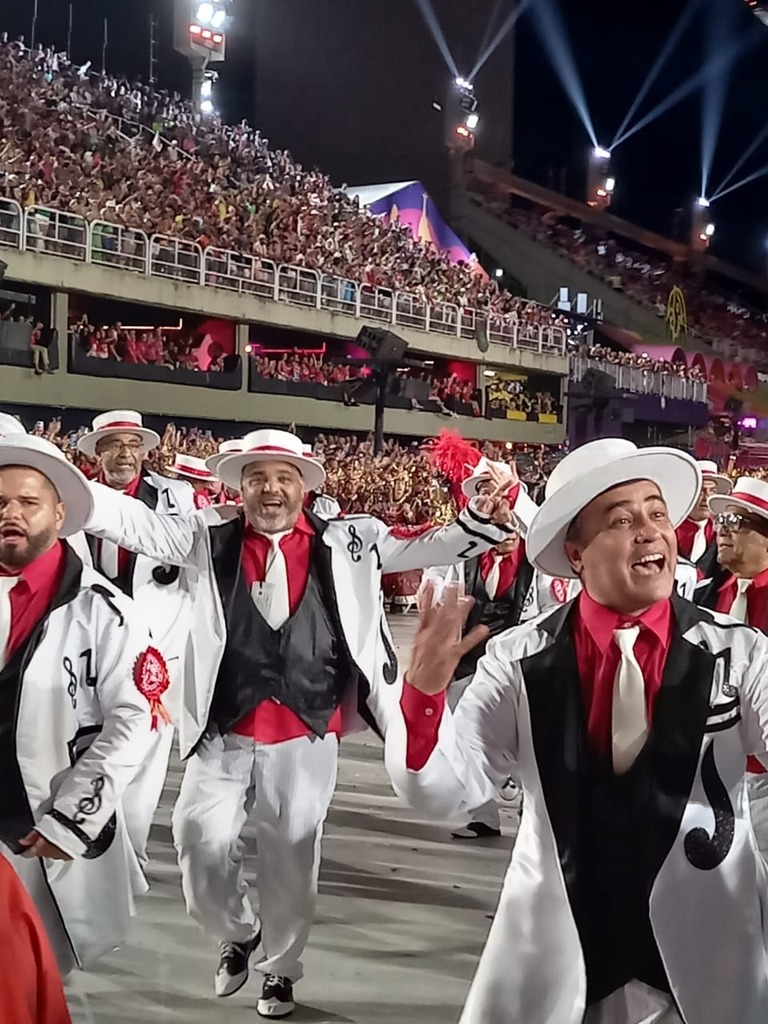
<point x="514" y="395"/>
<point x="400" y="485"/>
<point x="642" y="361"/>
<point x="113" y="150"/>
<point x="152" y="347"/>
<point x="714" y="311"/>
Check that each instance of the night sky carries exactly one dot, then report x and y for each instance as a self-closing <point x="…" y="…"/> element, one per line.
<point x="347" y="85"/>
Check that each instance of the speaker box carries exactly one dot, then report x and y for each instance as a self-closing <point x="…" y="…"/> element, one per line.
<point x="381" y="345"/>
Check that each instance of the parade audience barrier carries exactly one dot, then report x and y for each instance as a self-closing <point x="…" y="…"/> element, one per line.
<point x="222" y="380"/>
<point x="641" y="382"/>
<point x="102" y="243"/>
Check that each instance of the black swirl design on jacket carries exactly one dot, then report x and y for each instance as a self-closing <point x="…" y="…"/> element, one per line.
<point x="90" y="805"/>
<point x="164" y="575"/>
<point x="703" y="851"/>
<point x="389" y="668"/>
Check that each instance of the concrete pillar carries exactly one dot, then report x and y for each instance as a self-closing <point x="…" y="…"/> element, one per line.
<point x="242" y="334"/>
<point x="59" y="321"/>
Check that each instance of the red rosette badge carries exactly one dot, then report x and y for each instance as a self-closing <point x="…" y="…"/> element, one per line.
<point x="150" y="674"/>
<point x="560" y="590"/>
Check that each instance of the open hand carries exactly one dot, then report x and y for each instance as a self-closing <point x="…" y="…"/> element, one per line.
<point x="439" y="646"/>
<point x="496" y="505"/>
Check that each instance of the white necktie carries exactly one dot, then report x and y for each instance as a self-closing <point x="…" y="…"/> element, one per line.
<point x="109" y="559"/>
<point x="739" y="609"/>
<point x="7" y="583"/>
<point x="699" y="545"/>
<point x="630" y="722"/>
<point x="271" y="597"/>
<point x="492" y="581"/>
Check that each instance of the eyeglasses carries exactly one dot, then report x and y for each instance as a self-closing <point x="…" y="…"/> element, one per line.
<point x="118" y="446"/>
<point x="732" y="522"/>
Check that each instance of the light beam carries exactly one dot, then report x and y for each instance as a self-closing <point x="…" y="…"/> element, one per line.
<point x="429" y="16"/>
<point x="751" y="148"/>
<point x="510" y="22"/>
<point x="666" y="52"/>
<point x="551" y="28"/>
<point x="740" y="184"/>
<point x="719" y="32"/>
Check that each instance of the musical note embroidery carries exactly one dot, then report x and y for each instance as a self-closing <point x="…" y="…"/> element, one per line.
<point x="90" y="675"/>
<point x="355" y="545"/>
<point x="374" y="549"/>
<point x="90" y="805"/>
<point x="703" y="851"/>
<point x="389" y="669"/>
<point x="72" y="684"/>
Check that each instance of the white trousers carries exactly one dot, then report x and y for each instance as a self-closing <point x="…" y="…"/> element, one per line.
<point x="636" y="1003"/>
<point x="757" y="789"/>
<point x="33" y="879"/>
<point x="141" y="798"/>
<point x="488" y="814"/>
<point x="286" y="788"/>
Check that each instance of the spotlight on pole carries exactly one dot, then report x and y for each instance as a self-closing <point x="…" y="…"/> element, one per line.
<point x="703" y="203"/>
<point x="601" y="184"/>
<point x="702" y="229"/>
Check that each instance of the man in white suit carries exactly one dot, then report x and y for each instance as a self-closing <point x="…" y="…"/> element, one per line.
<point x="636" y="893"/>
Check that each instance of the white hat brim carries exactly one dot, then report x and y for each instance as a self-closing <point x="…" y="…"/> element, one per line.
<point x="229" y="468"/>
<point x="88" y="442"/>
<point x="70" y="484"/>
<point x="194" y="477"/>
<point x="472" y="484"/>
<point x="720" y="502"/>
<point x="723" y="484"/>
<point x="675" y="473"/>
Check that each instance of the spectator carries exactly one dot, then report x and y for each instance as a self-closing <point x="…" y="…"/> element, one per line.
<point x="39" y="350"/>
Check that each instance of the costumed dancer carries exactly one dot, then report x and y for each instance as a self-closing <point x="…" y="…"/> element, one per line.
<point x="80" y="688"/>
<point x="195" y="472"/>
<point x="628" y="716"/>
<point x="740" y="589"/>
<point x="696" y="535"/>
<point x="290" y="650"/>
<point x="231" y="447"/>
<point x="323" y="505"/>
<point x="119" y="443"/>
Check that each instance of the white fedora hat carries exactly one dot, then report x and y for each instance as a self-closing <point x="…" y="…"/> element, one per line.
<point x="231" y="447"/>
<point x="192" y="468"/>
<point x="591" y="470"/>
<point x="748" y="493"/>
<point x="270" y="446"/>
<point x="69" y="483"/>
<point x="10" y="425"/>
<point x="709" y="471"/>
<point x="118" y="421"/>
<point x="480" y="474"/>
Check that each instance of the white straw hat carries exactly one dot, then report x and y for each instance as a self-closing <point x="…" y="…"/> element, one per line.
<point x="10" y="425"/>
<point x="748" y="493"/>
<point x="225" y="448"/>
<point x="70" y="484"/>
<point x="591" y="470"/>
<point x="118" y="421"/>
<point x="192" y="468"/>
<point x="270" y="446"/>
<point x="480" y="474"/>
<point x="709" y="471"/>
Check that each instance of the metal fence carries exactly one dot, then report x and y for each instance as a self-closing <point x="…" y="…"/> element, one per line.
<point x="103" y="243"/>
<point x="641" y="382"/>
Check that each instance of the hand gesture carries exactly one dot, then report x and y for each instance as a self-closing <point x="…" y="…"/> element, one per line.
<point x="439" y="645"/>
<point x="495" y="505"/>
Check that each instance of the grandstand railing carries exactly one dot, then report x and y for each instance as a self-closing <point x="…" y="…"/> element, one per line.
<point x="641" y="382"/>
<point x="104" y="243"/>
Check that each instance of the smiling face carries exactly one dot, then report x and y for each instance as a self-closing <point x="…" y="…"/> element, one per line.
<point x="31" y="516"/>
<point x="624" y="549"/>
<point x="120" y="457"/>
<point x="742" y="541"/>
<point x="273" y="496"/>
<point x="701" y="509"/>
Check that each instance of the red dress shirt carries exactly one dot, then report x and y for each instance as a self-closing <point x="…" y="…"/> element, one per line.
<point x="508" y="567"/>
<point x="202" y="499"/>
<point x="123" y="555"/>
<point x="757" y="616"/>
<point x="598" y="659"/>
<point x="686" y="534"/>
<point x="29" y="977"/>
<point x="29" y="599"/>
<point x="271" y="722"/>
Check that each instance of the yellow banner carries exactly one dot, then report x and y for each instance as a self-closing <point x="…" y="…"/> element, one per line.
<point x="677" y="313"/>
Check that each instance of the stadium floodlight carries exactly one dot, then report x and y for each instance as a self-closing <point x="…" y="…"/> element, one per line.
<point x="206" y="89"/>
<point x="205" y="13"/>
<point x="601" y="154"/>
<point x="709" y="230"/>
<point x="610" y="185"/>
<point x="206" y="106"/>
<point x="473" y="120"/>
<point x="499" y="272"/>
<point x="218" y="18"/>
<point x="462" y="83"/>
<point x="703" y="202"/>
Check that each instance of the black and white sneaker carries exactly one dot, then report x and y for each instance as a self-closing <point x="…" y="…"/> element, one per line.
<point x="232" y="972"/>
<point x="476" y="830"/>
<point x="276" y="997"/>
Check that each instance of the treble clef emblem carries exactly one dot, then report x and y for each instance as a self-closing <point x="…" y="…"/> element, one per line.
<point x="355" y="545"/>
<point x="72" y="684"/>
<point x="90" y="805"/>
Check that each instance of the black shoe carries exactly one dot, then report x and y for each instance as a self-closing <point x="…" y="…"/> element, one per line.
<point x="476" y="830"/>
<point x="232" y="972"/>
<point x="276" y="997"/>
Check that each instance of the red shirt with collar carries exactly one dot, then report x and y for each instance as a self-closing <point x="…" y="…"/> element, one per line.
<point x="123" y="555"/>
<point x="686" y="534"/>
<point x="29" y="599"/>
<point x="508" y="567"/>
<point x="597" y="656"/>
<point x="271" y="722"/>
<point x="757" y="616"/>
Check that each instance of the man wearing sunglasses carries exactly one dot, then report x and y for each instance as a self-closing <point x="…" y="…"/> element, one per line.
<point x="739" y="588"/>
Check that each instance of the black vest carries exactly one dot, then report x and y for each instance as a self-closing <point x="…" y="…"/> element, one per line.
<point x="16" y="818"/>
<point x="499" y="614"/>
<point x="161" y="574"/>
<point x="304" y="665"/>
<point x="613" y="833"/>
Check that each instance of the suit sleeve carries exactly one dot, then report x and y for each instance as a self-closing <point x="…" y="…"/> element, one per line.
<point x="89" y="793"/>
<point x="754" y="696"/>
<point x="476" y="745"/>
<point x="129" y="523"/>
<point x="470" y="534"/>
